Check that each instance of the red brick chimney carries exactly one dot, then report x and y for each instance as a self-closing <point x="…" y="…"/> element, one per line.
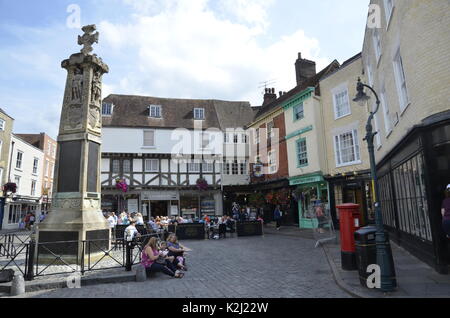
<point x="269" y="96"/>
<point x="304" y="69"/>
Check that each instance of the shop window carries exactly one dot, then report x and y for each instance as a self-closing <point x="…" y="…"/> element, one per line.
<point x="411" y="201"/>
<point x="16" y="213"/>
<point x="208" y="205"/>
<point x="189" y="205"/>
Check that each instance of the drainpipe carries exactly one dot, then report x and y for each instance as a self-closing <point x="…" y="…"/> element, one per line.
<point x="10" y="160"/>
<point x="3" y="199"/>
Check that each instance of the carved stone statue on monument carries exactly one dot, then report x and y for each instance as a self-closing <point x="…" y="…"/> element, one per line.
<point x="97" y="88"/>
<point x="77" y="85"/>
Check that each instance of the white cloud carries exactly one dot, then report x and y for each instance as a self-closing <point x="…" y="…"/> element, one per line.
<point x="188" y="50"/>
<point x="253" y="12"/>
<point x="175" y="48"/>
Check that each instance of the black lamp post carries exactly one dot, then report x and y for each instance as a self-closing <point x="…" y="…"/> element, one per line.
<point x="384" y="252"/>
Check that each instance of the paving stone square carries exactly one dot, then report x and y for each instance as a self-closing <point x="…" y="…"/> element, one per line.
<point x="272" y="266"/>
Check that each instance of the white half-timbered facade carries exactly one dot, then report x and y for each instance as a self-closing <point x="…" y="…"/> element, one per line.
<point x="163" y="148"/>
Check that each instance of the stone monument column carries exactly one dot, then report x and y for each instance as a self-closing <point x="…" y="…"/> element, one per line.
<point x="76" y="206"/>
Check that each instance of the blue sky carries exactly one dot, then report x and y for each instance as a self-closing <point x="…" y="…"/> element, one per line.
<point x="214" y="49"/>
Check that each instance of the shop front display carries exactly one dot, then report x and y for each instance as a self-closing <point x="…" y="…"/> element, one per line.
<point x="355" y="188"/>
<point x="189" y="206"/>
<point x="312" y="191"/>
<point x="208" y="206"/>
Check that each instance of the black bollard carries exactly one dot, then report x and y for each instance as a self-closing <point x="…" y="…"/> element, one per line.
<point x="29" y="275"/>
<point x="129" y="255"/>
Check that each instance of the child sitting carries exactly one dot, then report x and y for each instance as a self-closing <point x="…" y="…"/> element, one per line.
<point x="177" y="251"/>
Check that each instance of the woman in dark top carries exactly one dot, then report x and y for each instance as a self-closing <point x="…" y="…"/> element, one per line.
<point x="446" y="212"/>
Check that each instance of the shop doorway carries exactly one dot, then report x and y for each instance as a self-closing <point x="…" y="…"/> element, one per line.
<point x="159" y="208"/>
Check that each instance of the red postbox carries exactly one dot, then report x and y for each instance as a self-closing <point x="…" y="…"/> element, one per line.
<point x="350" y="221"/>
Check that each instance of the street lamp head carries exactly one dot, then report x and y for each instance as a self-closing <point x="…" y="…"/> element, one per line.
<point x="361" y="98"/>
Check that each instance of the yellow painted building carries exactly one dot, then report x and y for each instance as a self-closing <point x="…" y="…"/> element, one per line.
<point x="406" y="56"/>
<point x="344" y="122"/>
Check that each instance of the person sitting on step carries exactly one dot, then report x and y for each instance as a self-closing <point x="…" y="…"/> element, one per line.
<point x="177" y="251"/>
<point x="150" y="255"/>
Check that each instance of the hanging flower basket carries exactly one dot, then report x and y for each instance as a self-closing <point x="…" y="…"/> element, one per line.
<point x="271" y="197"/>
<point x="10" y="187"/>
<point x="257" y="199"/>
<point x="202" y="184"/>
<point x="122" y="185"/>
<point x="283" y="197"/>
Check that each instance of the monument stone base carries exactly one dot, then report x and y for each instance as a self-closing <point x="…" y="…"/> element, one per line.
<point x="72" y="231"/>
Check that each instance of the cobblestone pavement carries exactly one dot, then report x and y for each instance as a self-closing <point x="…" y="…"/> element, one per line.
<point x="272" y="266"/>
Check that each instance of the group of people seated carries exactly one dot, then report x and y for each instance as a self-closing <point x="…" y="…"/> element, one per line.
<point x="166" y="257"/>
<point x="216" y="227"/>
<point x="123" y="218"/>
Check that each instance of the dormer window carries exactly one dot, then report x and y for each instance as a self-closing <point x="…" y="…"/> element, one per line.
<point x="154" y="111"/>
<point x="107" y="109"/>
<point x="199" y="113"/>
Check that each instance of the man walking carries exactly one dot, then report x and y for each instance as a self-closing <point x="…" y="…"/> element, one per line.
<point x="277" y="215"/>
